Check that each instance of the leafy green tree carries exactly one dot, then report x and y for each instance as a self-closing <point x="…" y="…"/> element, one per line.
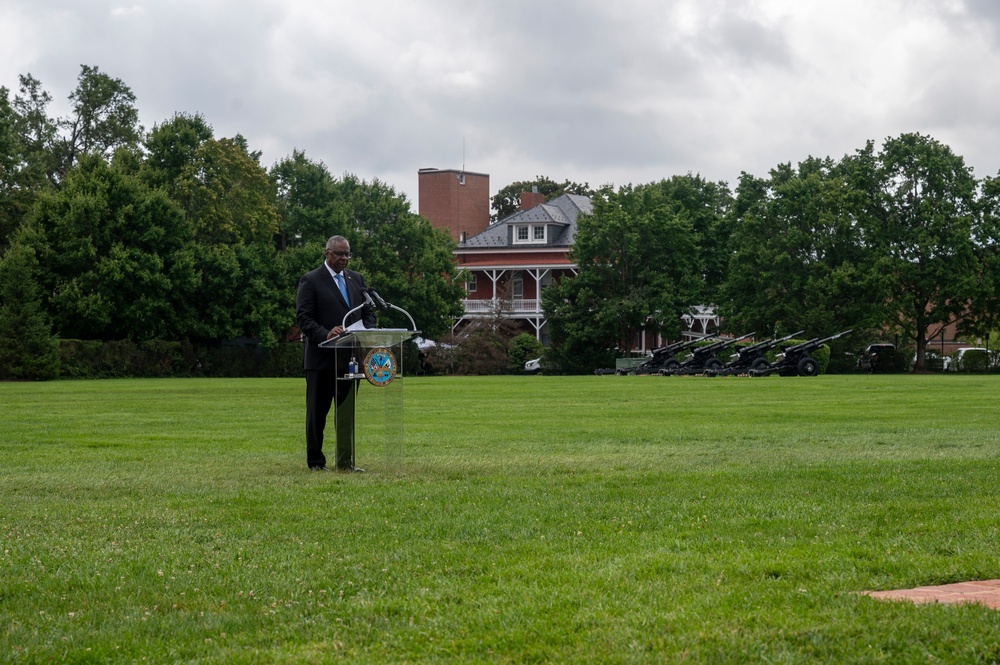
<point x="306" y="195"/>
<point x="171" y="150"/>
<point x="799" y="260"/>
<point x="116" y="256"/>
<point x="229" y="201"/>
<point x="22" y="169"/>
<point x="402" y="256"/>
<point x="922" y="217"/>
<point x="226" y="195"/>
<point x="11" y="156"/>
<point x="639" y="269"/>
<point x="104" y="117"/>
<point x="704" y="205"/>
<point x="37" y="131"/>
<point x="28" y="349"/>
<point x="238" y="294"/>
<point x="984" y="308"/>
<point x="507" y="201"/>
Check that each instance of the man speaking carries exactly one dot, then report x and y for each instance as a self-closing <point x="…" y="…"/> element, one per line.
<point x="324" y="298"/>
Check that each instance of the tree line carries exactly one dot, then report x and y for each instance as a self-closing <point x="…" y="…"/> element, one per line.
<point x="112" y="232"/>
<point x="894" y="242"/>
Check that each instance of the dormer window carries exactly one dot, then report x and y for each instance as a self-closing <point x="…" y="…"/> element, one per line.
<point x="529" y="234"/>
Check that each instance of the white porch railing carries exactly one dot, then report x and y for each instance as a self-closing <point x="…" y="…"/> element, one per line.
<point x="484" y="307"/>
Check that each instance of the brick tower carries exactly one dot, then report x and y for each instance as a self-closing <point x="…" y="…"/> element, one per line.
<point x="457" y="202"/>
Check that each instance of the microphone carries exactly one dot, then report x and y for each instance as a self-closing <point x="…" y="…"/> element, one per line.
<point x="379" y="302"/>
<point x="369" y="303"/>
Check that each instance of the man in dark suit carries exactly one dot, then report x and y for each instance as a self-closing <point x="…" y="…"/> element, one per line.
<point x="324" y="298"/>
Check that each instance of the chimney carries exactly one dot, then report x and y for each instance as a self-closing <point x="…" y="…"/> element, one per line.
<point x="531" y="199"/>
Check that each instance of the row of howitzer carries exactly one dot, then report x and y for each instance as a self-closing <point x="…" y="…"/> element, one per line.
<point x="749" y="360"/>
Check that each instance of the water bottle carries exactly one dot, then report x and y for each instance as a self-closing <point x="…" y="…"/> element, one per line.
<point x="352" y="368"/>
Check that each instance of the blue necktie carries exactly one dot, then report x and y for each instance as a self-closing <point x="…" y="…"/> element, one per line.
<point x="343" y="288"/>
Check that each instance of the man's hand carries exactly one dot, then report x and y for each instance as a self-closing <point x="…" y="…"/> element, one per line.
<point x="337" y="330"/>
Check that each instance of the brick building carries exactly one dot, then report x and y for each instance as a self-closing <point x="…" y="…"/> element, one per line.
<point x="510" y="262"/>
<point x="457" y="202"/>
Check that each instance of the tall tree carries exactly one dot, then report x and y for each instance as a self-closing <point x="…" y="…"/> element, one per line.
<point x="507" y="201"/>
<point x="28" y="349"/>
<point x="11" y="158"/>
<point x="38" y="132"/>
<point x="104" y="117"/>
<point x="404" y="258"/>
<point x="171" y="149"/>
<point x="705" y="205"/>
<point x="227" y="195"/>
<point x="116" y="256"/>
<point x="922" y="217"/>
<point x="639" y="269"/>
<point x="799" y="258"/>
<point x="305" y="192"/>
<point x="25" y="135"/>
<point x="984" y="309"/>
<point x="229" y="202"/>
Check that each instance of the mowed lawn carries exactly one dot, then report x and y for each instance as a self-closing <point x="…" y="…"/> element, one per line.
<point x="533" y="519"/>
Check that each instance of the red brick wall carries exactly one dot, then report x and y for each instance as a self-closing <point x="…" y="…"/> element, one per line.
<point x="452" y="206"/>
<point x="531" y="199"/>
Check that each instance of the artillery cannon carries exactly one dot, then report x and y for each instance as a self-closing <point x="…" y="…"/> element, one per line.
<point x="665" y="356"/>
<point x="796" y="359"/>
<point x="703" y="358"/>
<point x="750" y="357"/>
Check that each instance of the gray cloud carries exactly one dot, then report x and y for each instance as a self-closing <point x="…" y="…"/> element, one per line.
<point x="631" y="91"/>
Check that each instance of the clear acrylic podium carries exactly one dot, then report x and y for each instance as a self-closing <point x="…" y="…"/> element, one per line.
<point x="377" y="375"/>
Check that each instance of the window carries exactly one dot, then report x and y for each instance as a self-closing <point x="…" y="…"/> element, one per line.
<point x="517" y="286"/>
<point x="470" y="284"/>
<point x="534" y="233"/>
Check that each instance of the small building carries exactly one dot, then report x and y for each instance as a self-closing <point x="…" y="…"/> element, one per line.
<point x="510" y="262"/>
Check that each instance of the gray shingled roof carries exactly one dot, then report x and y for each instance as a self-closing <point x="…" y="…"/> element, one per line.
<point x="560" y="212"/>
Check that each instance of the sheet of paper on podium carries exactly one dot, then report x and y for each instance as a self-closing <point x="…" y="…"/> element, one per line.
<point x="357" y="334"/>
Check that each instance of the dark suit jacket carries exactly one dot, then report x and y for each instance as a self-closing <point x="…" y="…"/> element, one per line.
<point x="319" y="307"/>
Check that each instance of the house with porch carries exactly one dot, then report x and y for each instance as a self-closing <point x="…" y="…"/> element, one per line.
<point x="510" y="262"/>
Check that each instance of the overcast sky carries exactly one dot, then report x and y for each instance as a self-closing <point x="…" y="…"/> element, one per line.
<point x="597" y="91"/>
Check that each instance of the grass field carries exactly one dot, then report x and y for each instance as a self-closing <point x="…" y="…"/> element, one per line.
<point x="536" y="519"/>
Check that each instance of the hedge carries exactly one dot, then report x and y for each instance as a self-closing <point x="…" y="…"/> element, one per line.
<point x="91" y="359"/>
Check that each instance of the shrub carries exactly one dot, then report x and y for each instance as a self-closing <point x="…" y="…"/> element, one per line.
<point x="28" y="350"/>
<point x="523" y="348"/>
<point x="94" y="359"/>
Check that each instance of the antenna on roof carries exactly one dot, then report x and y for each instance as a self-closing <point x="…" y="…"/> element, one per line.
<point x="463" y="153"/>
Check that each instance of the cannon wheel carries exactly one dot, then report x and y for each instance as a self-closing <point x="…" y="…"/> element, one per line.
<point x="713" y="364"/>
<point x="670" y="366"/>
<point x="808" y="366"/>
<point x="760" y="364"/>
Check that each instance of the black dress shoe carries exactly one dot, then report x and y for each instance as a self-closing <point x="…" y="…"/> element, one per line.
<point x="317" y="467"/>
